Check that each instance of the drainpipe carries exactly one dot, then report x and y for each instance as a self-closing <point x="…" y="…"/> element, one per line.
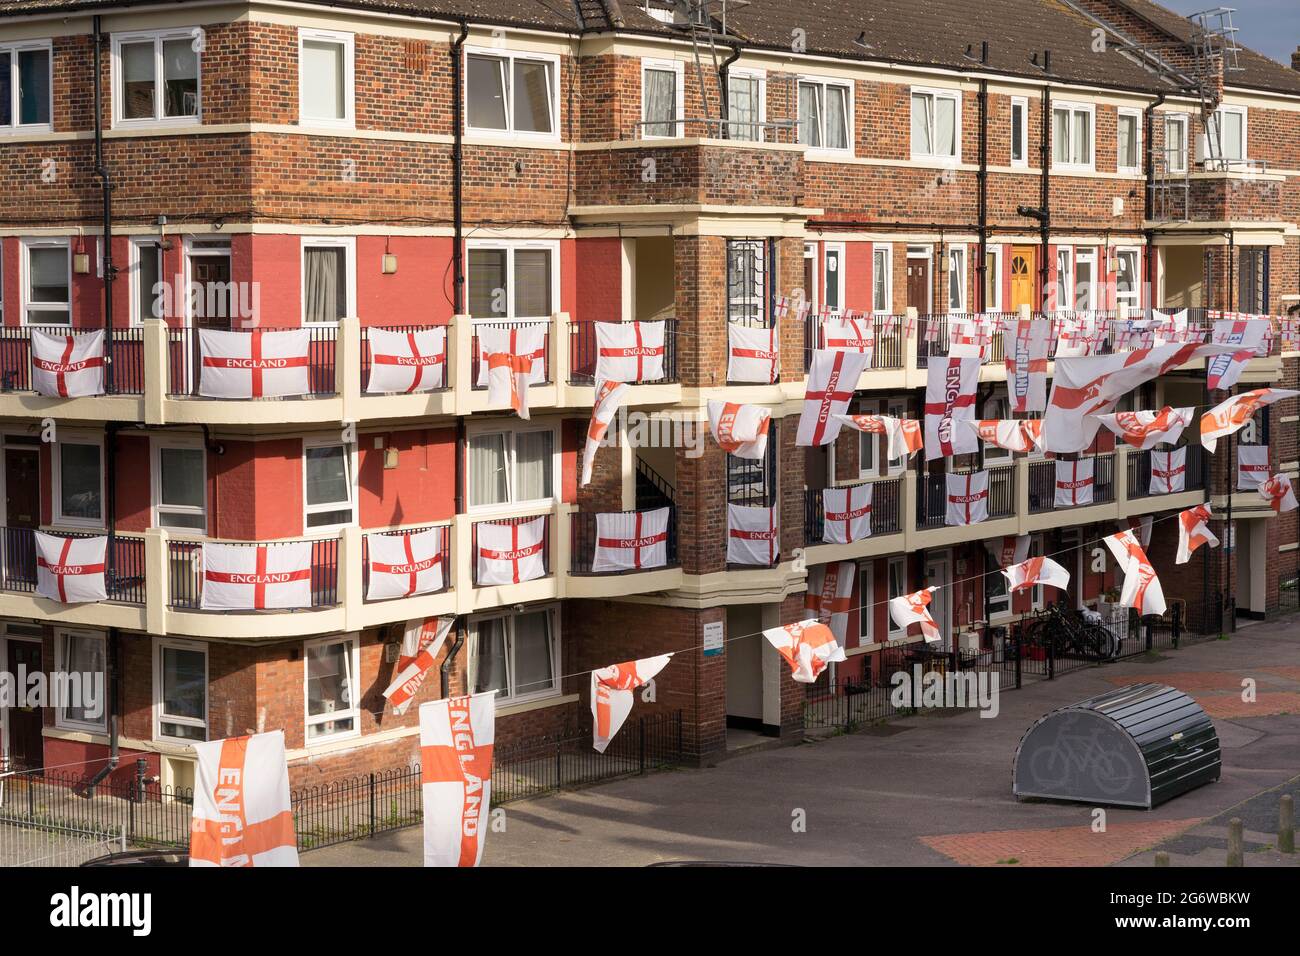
<point x="723" y="91"/>
<point x="106" y="189"/>
<point x="458" y="171"/>
<point x="1150" y="163"/>
<point x="444" y="674"/>
<point x="1045" y="224"/>
<point x="983" y="177"/>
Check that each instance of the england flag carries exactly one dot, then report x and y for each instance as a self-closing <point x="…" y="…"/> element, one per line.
<point x="456" y="740"/>
<point x="612" y="697"/>
<point x="753" y="535"/>
<point x="1194" y="531"/>
<point x="808" y="647"/>
<point x="1024" y="343"/>
<point x="753" y="354"/>
<point x="1035" y="572"/>
<point x="631" y="540"/>
<point x="968" y="498"/>
<point x="70" y="570"/>
<point x="510" y="552"/>
<point x="903" y="436"/>
<point x="1144" y="430"/>
<point x="404" y="564"/>
<point x="421" y="644"/>
<point x="949" y="401"/>
<point x="242" y="815"/>
<point x="914" y="608"/>
<point x="740" y="430"/>
<point x="1252" y="466"/>
<point x="609" y="397"/>
<point x="253" y="577"/>
<point x="846" y="513"/>
<point x="1169" y="471"/>
<point x="1232" y="414"/>
<point x="1141" y="586"/>
<point x="526" y="342"/>
<point x="1074" y="482"/>
<point x="256" y="364"/>
<point x="68" y="366"/>
<point x="407" y="362"/>
<point x="630" y="351"/>
<point x="1279" y="494"/>
<point x="831" y="383"/>
<point x="1223" y="371"/>
<point x="830" y="594"/>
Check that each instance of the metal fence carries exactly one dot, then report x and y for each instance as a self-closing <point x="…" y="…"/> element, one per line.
<point x="367" y="361"/>
<point x="1042" y="483"/>
<point x="55" y="846"/>
<point x="932" y="496"/>
<point x="583" y="352"/>
<point x="185" y="571"/>
<point x="514" y="522"/>
<point x="185" y="360"/>
<point x="478" y="359"/>
<point x="124" y="575"/>
<point x="888" y="351"/>
<point x="1139" y="471"/>
<point x="1288" y="592"/>
<point x="123" y="349"/>
<point x="886" y="510"/>
<point x="583" y="537"/>
<point x="444" y="555"/>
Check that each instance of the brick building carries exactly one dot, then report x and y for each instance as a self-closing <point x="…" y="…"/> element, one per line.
<point x="415" y="164"/>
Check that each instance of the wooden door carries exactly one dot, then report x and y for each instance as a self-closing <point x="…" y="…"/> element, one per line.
<point x="24" y="723"/>
<point x="918" y="284"/>
<point x="1022" y="277"/>
<point x="216" y="305"/>
<point x="22" y="514"/>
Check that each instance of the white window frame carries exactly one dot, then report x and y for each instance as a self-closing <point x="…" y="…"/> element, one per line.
<point x="1136" y="114"/>
<point x="15" y="127"/>
<point x="995" y="454"/>
<point x="849" y="115"/>
<point x="354" y="680"/>
<point x="955" y="253"/>
<point x="71" y="437"/>
<point x="837" y="251"/>
<point x="1180" y="167"/>
<point x="511" y="246"/>
<point x="1037" y="548"/>
<point x="866" y="603"/>
<point x="1087" y="254"/>
<point x="505" y="696"/>
<point x="157" y="443"/>
<point x="512" y="430"/>
<point x="1132" y="299"/>
<point x="936" y="93"/>
<point x="60" y="666"/>
<point x="810" y="251"/>
<point x="882" y="467"/>
<point x="1003" y="599"/>
<point x="348" y="42"/>
<point x="509" y="56"/>
<point x="1227" y="161"/>
<point x="349" y="246"/>
<point x="758" y="134"/>
<point x="199" y="251"/>
<point x="1064" y="287"/>
<point x="350" y="457"/>
<point x="25" y="275"/>
<point x="1072" y="108"/>
<point x="159" y="717"/>
<point x="993" y="249"/>
<point x="677" y="68"/>
<point x="1021" y="103"/>
<point x="893" y="632"/>
<point x="888" y="272"/>
<point x="137" y="245"/>
<point x="158" y="37"/>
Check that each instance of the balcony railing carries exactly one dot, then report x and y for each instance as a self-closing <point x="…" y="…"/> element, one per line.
<point x="403" y="329"/>
<point x="185" y="363"/>
<point x="582" y="528"/>
<point x="583" y="352"/>
<point x="932" y="495"/>
<point x="886" y="509"/>
<point x="888" y="353"/>
<point x="941" y="325"/>
<point x="1042" y="483"/>
<point x="125" y="350"/>
<point x="1139" y="471"/>
<point x="476" y="358"/>
<point x="185" y="572"/>
<point x="546" y="540"/>
<point x="124" y="576"/>
<point x="445" y="554"/>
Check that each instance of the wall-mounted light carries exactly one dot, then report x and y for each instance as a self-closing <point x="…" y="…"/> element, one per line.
<point x="390" y="261"/>
<point x="81" y="258"/>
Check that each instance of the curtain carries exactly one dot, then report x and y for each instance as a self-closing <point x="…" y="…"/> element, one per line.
<point x="487" y="660"/>
<point x="1127" y="143"/>
<point x="1081" y="147"/>
<point x="879" y="280"/>
<point x="1060" y="136"/>
<point x="487" y="470"/>
<point x="837" y="111"/>
<point x="532" y="653"/>
<point x="533" y="458"/>
<point x="922" y="122"/>
<point x="485" y="92"/>
<point x="810" y="114"/>
<point x="532" y="283"/>
<point x="742" y="107"/>
<point x="1232" y="139"/>
<point x="325" y="284"/>
<point x="487" y="283"/>
<point x="532" y="96"/>
<point x="82" y="655"/>
<point x="945" y="126"/>
<point x="660" y="102"/>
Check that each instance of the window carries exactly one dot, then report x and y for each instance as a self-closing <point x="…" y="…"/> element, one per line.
<point x="1036" y="551"/>
<point x="331" y="688"/>
<point x="83" y="653"/>
<point x="1128" y="138"/>
<point x="26" y="85"/>
<point x="936" y="124"/>
<point x="517" y="656"/>
<point x="328" y="280"/>
<point x="746" y="108"/>
<point x="1019" y="131"/>
<point x="511" y="93"/>
<point x="1252" y="280"/>
<point x="1072" y="135"/>
<point x="1085" y="279"/>
<point x="514" y="280"/>
<point x="897" y="573"/>
<point x="146" y="274"/>
<point x="47" y="295"/>
<point x="662" y="109"/>
<point x="79" y="483"/>
<point x="833" y="258"/>
<point x="825" y="107"/>
<point x="871" y="448"/>
<point x="993" y="278"/>
<point x="882" y="279"/>
<point x="995" y="406"/>
<point x="956" y="278"/>
<point x="180" y="682"/>
<point x="1175" y="152"/>
<point x="753" y="483"/>
<point x="512" y="467"/>
<point x="157" y="77"/>
<point x="1128" y="285"/>
<point x="997" y="599"/>
<point x="1064" y="277"/>
<point x="746" y="282"/>
<point x="180" y="484"/>
<point x="866" y="603"/>
<point x="326" y="85"/>
<point x="1226" y="134"/>
<point x="328" y="475"/>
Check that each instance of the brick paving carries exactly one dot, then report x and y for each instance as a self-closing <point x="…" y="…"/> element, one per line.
<point x="1058" y="846"/>
<point x="1267" y="704"/>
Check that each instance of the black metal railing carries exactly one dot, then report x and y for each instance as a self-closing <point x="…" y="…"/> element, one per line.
<point x="934" y="334"/>
<point x="125" y="351"/>
<point x="1139" y="471"/>
<point x="582" y="527"/>
<point x="185" y="360"/>
<point x="583" y="352"/>
<point x="124" y="575"/>
<point x="546" y="539"/>
<point x="185" y="571"/>
<point x="366" y="362"/>
<point x="1042" y="482"/>
<point x="477" y="369"/>
<point x="444" y="555"/>
<point x="932" y="495"/>
<point x="888" y="353"/>
<point x="886" y="509"/>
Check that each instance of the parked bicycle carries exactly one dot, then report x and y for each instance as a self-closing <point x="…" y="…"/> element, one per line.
<point x="1069" y="632"/>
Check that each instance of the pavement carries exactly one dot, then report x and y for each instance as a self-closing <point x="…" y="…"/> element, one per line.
<point x="930" y="790"/>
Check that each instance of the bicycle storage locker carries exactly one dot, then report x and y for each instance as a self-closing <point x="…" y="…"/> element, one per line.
<point x="1137" y="746"/>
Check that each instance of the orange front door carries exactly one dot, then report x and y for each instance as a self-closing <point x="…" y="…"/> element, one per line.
<point x="1022" y="277"/>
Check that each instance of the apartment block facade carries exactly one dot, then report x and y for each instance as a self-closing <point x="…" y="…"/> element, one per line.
<point x="414" y="165"/>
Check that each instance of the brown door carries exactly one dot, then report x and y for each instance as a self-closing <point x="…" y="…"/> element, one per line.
<point x="24" y="723"/>
<point x="1022" y="277"/>
<point x="918" y="284"/>
<point x="22" y="514"/>
<point x="214" y="306"/>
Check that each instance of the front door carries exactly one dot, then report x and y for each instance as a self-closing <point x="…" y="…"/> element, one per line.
<point x="22" y="514"/>
<point x="918" y="284"/>
<point x="23" y="724"/>
<point x="1022" y="277"/>
<point x="937" y="576"/>
<point x="215" y="305"/>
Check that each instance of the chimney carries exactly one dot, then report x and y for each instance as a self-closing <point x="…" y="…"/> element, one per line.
<point x="1295" y="59"/>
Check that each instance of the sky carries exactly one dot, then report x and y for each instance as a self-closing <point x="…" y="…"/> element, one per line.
<point x="1271" y="27"/>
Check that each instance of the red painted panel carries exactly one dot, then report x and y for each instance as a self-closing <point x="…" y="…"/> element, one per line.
<point x="419" y="489"/>
<point x="418" y="293"/>
<point x="571" y="432"/>
<point x="1006" y="277"/>
<point x="598" y="280"/>
<point x="47" y="488"/>
<point x="857" y="283"/>
<point x="568" y="277"/>
<point x="275" y="264"/>
<point x="133" y="492"/>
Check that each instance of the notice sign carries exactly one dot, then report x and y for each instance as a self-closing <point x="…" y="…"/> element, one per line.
<point x="713" y="639"/>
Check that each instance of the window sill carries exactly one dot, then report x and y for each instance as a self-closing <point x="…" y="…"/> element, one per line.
<point x="148" y="124"/>
<point x="540" y="703"/>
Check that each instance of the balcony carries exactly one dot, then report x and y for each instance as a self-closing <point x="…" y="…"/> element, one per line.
<point x="583" y="353"/>
<point x="932" y="496"/>
<point x="1042" y="484"/>
<point x="582" y="550"/>
<point x="185" y="574"/>
<point x="1139" y="471"/>
<point x="888" y="354"/>
<point x="886" y="509"/>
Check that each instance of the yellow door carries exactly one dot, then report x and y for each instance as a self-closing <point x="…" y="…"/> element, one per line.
<point x="1022" y="277"/>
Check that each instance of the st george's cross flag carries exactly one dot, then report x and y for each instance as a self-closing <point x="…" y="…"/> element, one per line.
<point x="809" y="647"/>
<point x="609" y="396"/>
<point x="1279" y="494"/>
<point x="68" y="366"/>
<point x="252" y="577"/>
<point x="1223" y="371"/>
<point x="612" y="695"/>
<point x="753" y="535"/>
<point x="630" y="351"/>
<point x="1013" y="434"/>
<point x="256" y="364"/>
<point x="527" y="342"/>
<point x="950" y="400"/>
<point x="851" y="335"/>
<point x="1024" y="345"/>
<point x="1194" y="531"/>
<point x="631" y="540"/>
<point x="242" y="815"/>
<point x="832" y="379"/>
<point x="740" y="430"/>
<point x="753" y="354"/>
<point x="846" y="513"/>
<point x="1140" y="525"/>
<point x="1141" y="586"/>
<point x="1009" y="549"/>
<point x="404" y="564"/>
<point x="510" y="552"/>
<point x="508" y="382"/>
<point x="1034" y="572"/>
<point x="407" y="362"/>
<point x="421" y="643"/>
<point x="1074" y="482"/>
<point x="1168" y="327"/>
<point x="914" y="608"/>
<point x="970" y="336"/>
<point x="1081" y="333"/>
<point x="1252" y="466"/>
<point x="70" y="570"/>
<point x="903" y="436"/>
<point x="1232" y="414"/>
<point x="968" y="498"/>
<point x="456" y="740"/>
<point x="829" y="595"/>
<point x="1144" y="430"/>
<point x="1168" y="471"/>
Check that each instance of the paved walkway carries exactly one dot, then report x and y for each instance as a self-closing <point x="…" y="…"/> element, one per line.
<point x="926" y="790"/>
